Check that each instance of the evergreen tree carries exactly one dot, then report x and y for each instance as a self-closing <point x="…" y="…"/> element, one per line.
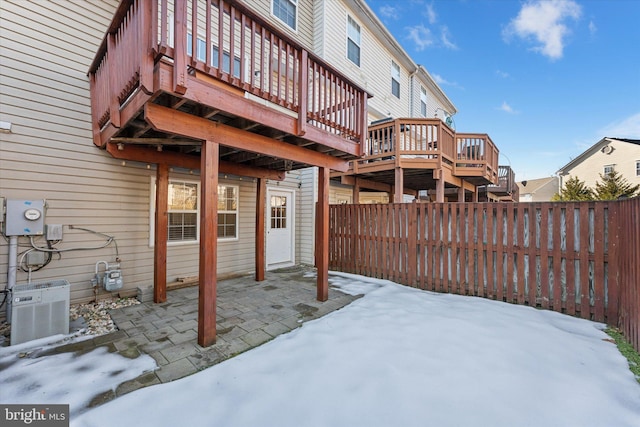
<point x="614" y="186"/>
<point x="574" y="190"/>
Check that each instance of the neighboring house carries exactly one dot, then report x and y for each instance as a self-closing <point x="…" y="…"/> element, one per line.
<point x="409" y="148"/>
<point x="538" y="190"/>
<point x="606" y="155"/>
<point x="350" y="36"/>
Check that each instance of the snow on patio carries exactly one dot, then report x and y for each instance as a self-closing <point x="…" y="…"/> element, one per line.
<point x="399" y="356"/>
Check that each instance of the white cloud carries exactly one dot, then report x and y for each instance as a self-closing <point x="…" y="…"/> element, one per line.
<point x="544" y="21"/>
<point x="443" y="82"/>
<point x="592" y="27"/>
<point x="507" y="108"/>
<point x="444" y="36"/>
<point x="420" y="35"/>
<point x="388" y="11"/>
<point x="628" y="127"/>
<point x="431" y="14"/>
<point x="503" y="74"/>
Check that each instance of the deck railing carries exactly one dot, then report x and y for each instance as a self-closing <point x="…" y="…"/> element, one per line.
<point x="476" y="152"/>
<point x="506" y="181"/>
<point x="232" y="44"/>
<point x="577" y="258"/>
<point x="428" y="139"/>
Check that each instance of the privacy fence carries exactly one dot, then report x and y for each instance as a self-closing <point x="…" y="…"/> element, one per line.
<point x="578" y="258"/>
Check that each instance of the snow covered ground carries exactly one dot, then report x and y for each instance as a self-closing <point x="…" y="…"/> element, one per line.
<point x="398" y="356"/>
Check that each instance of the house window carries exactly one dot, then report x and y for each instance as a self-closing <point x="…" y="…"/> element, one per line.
<point x="637" y="167"/>
<point x="353" y="41"/>
<point x="395" y="79"/>
<point x="423" y="101"/>
<point x="278" y="212"/>
<point x="201" y="48"/>
<point x="183" y="212"/>
<point x="286" y="11"/>
<point x="215" y="60"/>
<point x="608" y="169"/>
<point x="227" y="212"/>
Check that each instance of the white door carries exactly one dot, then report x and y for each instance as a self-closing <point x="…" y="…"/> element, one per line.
<point x="280" y="235"/>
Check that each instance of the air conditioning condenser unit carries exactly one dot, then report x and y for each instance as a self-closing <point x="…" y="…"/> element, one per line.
<point x="39" y="310"/>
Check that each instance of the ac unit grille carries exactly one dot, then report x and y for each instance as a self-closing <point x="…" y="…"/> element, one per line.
<point x="39" y="310"/>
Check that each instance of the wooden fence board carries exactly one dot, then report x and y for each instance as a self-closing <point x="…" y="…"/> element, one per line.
<point x="580" y="258"/>
<point x="519" y="232"/>
<point x="583" y="256"/>
<point x="599" y="272"/>
<point x="511" y="252"/>
<point x="500" y="252"/>
<point x="569" y="236"/>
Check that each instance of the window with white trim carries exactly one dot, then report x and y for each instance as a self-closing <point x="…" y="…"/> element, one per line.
<point x="227" y="212"/>
<point x="608" y="169"/>
<point x="423" y="101"/>
<point x="286" y="11"/>
<point x="201" y="55"/>
<point x="637" y="167"/>
<point x="353" y="41"/>
<point x="395" y="79"/>
<point x="183" y="212"/>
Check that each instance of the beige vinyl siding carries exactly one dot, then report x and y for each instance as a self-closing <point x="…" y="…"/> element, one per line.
<point x="623" y="157"/>
<point x="433" y="101"/>
<point x="340" y="194"/>
<point x="306" y="215"/>
<point x="304" y="32"/>
<point x="45" y="50"/>
<point x="319" y="22"/>
<point x="374" y="73"/>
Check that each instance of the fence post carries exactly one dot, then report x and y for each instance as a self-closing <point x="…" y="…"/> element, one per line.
<point x="412" y="237"/>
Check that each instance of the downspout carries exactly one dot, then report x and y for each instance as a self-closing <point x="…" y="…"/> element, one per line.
<point x="411" y="76"/>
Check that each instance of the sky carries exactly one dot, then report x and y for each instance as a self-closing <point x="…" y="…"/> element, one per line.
<point x="545" y="79"/>
<point x="397" y="356"/>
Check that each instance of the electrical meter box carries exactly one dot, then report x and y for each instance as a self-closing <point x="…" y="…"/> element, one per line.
<point x="24" y="217"/>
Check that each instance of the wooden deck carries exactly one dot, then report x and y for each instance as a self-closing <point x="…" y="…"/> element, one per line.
<point x="405" y="156"/>
<point x="274" y="92"/>
<point x="209" y="85"/>
<point x="506" y="190"/>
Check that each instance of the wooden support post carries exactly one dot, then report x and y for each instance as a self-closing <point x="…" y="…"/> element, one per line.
<point x="179" y="49"/>
<point x="208" y="243"/>
<point x="322" y="234"/>
<point x="160" y="235"/>
<point x="261" y="194"/>
<point x="303" y="94"/>
<point x="440" y="189"/>
<point x="147" y="9"/>
<point x="398" y="188"/>
<point x="356" y="193"/>
<point x="475" y="195"/>
<point x="461" y="196"/>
